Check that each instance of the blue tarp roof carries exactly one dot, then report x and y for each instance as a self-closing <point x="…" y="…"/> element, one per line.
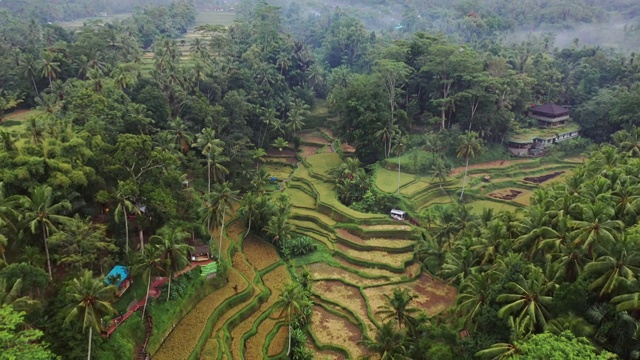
<point x="119" y="272"/>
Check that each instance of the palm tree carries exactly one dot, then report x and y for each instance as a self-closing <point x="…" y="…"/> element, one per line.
<point x="89" y="300"/>
<point x="475" y="294"/>
<point x="617" y="267"/>
<point x="223" y="198"/>
<point x="172" y="250"/>
<point x="470" y="147"/>
<point x="28" y="69"/>
<point x="389" y="343"/>
<point x="529" y="296"/>
<point x="278" y="227"/>
<point x="440" y="169"/>
<point x="41" y="211"/>
<point x="248" y="209"/>
<point x="292" y="303"/>
<point x="400" y="146"/>
<point x="280" y="143"/>
<point x="145" y="264"/>
<point x="209" y="144"/>
<point x="572" y="322"/>
<point x="9" y="207"/>
<point x="12" y="296"/>
<point x="48" y="66"/>
<point x="596" y="226"/>
<point x="259" y="156"/>
<point x="125" y="206"/>
<point x="398" y="306"/>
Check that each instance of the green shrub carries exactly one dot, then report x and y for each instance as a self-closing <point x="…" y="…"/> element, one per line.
<point x="299" y="350"/>
<point x="376" y="202"/>
<point x="296" y="246"/>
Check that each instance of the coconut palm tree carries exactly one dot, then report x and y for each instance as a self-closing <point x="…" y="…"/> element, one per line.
<point x="223" y="197"/>
<point x="388" y="344"/>
<point x="400" y="147"/>
<point x="398" y="306"/>
<point x="248" y="209"/>
<point x="124" y="208"/>
<point x="146" y="264"/>
<point x="291" y="303"/>
<point x="440" y="169"/>
<point x="48" y="66"/>
<point x="207" y="142"/>
<point x="617" y="266"/>
<point x="89" y="300"/>
<point x="42" y="214"/>
<point x="173" y="251"/>
<point x="9" y="206"/>
<point x="596" y="227"/>
<point x="258" y="155"/>
<point x="475" y="294"/>
<point x="572" y="322"/>
<point x="470" y="147"/>
<point x="529" y="298"/>
<point x="11" y="296"/>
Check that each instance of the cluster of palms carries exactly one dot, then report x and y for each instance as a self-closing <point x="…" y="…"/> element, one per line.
<point x="581" y="234"/>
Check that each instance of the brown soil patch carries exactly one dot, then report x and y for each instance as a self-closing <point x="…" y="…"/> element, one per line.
<point x="13" y="114"/>
<point x="487" y="165"/>
<point x="308" y="150"/>
<point x="347" y="148"/>
<point x="279" y="342"/>
<point x="259" y="253"/>
<point x="313" y="137"/>
<point x="332" y="329"/>
<point x="347" y="296"/>
<point x="390" y="243"/>
<point x="286" y="152"/>
<point x="434" y="295"/>
<point x="325" y="271"/>
<point x="275" y="280"/>
<point x="505" y="194"/>
<point x="373" y="256"/>
<point x="182" y="340"/>
<point x="328" y="132"/>
<point x="542" y="178"/>
<point x="374" y="271"/>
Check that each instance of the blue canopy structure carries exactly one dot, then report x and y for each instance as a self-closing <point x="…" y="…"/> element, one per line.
<point x="117" y="275"/>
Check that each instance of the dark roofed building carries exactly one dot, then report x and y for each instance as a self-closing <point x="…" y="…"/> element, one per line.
<point x="549" y="114"/>
<point x="200" y="253"/>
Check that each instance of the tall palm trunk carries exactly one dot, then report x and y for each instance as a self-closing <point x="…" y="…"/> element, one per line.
<point x="398" y="174"/>
<point x="126" y="229"/>
<point x="224" y="212"/>
<point x="289" y="347"/>
<point x="209" y="172"/>
<point x="245" y="235"/>
<point x="146" y="299"/>
<point x="141" y="235"/>
<point x="169" y="286"/>
<point x="464" y="181"/>
<point x="46" y="249"/>
<point x="90" y="336"/>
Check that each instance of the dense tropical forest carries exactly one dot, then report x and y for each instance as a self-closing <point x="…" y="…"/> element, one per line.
<point x="123" y="143"/>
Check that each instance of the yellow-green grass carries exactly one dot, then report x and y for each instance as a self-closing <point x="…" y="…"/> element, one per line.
<point x="479" y="205"/>
<point x="332" y="329"/>
<point x="323" y="163"/>
<point x="411" y="189"/>
<point x="300" y="199"/>
<point x="316" y="215"/>
<point x="17" y="120"/>
<point x="327" y="195"/>
<point x="376" y="257"/>
<point x="280" y="172"/>
<point x="387" y="180"/>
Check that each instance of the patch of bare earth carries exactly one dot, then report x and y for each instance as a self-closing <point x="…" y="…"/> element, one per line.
<point x="434" y="295"/>
<point x="279" y="342"/>
<point x="347" y="296"/>
<point x="370" y="270"/>
<point x="308" y="150"/>
<point x="259" y="253"/>
<point x="325" y="271"/>
<point x="487" y="165"/>
<point x="389" y="243"/>
<point x="314" y="137"/>
<point x="332" y="329"/>
<point x="373" y="256"/>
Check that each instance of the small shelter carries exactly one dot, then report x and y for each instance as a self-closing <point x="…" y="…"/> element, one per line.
<point x="119" y="277"/>
<point x="200" y="253"/>
<point x="398" y="214"/>
<point x="549" y="115"/>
